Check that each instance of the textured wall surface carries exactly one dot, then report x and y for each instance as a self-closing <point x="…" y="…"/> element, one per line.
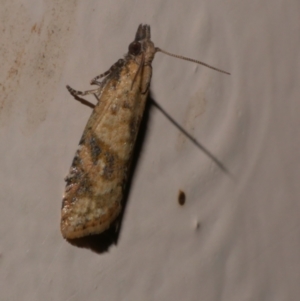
<point x="237" y="236"/>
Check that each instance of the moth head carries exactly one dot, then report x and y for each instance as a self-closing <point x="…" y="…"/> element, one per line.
<point x="142" y="47"/>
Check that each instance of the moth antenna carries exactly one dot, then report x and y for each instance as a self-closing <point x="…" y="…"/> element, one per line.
<point x="190" y="60"/>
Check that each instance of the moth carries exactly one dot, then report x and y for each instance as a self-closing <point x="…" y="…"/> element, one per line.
<point x="98" y="175"/>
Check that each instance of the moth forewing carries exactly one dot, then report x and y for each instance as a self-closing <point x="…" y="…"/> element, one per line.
<point x="98" y="175"/>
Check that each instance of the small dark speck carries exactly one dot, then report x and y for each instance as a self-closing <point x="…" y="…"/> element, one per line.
<point x="181" y="197"/>
<point x="197" y="225"/>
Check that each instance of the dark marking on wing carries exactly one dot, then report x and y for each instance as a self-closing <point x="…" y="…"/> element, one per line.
<point x="109" y="166"/>
<point x="95" y="149"/>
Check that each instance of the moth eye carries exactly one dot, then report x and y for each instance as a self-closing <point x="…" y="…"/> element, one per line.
<point x="135" y="48"/>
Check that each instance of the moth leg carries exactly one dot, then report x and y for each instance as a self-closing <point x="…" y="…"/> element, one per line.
<point x="95" y="81"/>
<point x="76" y="93"/>
<point x="114" y="67"/>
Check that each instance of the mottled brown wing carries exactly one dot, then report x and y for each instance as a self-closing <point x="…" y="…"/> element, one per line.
<point x="97" y="178"/>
